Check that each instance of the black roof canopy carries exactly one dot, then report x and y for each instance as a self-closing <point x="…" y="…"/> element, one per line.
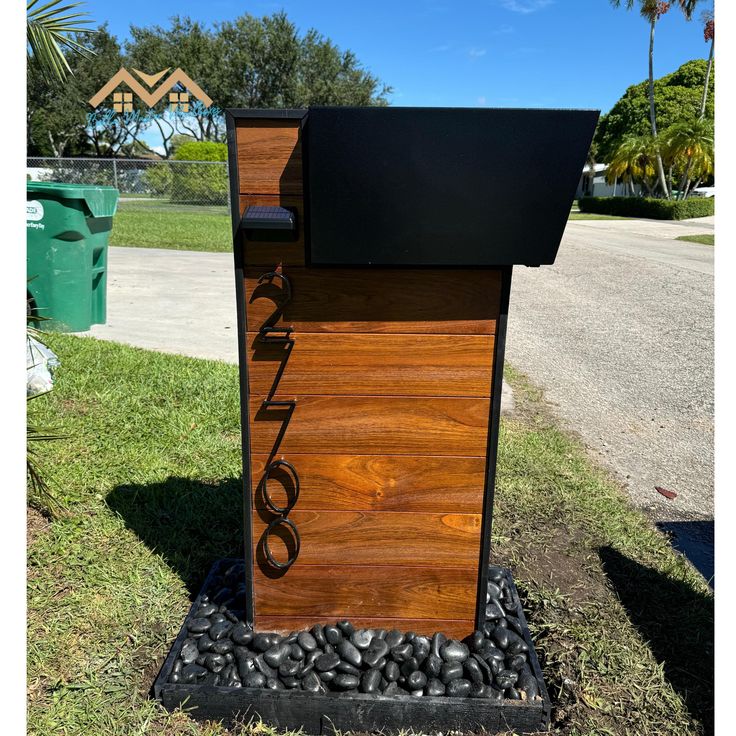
<point x="440" y="186"/>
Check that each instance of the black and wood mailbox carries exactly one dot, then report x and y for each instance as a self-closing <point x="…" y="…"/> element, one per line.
<point x="373" y="250"/>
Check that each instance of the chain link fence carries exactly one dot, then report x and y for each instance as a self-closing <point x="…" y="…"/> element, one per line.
<point x="165" y="181"/>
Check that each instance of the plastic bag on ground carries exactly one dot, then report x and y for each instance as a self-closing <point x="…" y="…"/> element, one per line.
<point x="41" y="362"/>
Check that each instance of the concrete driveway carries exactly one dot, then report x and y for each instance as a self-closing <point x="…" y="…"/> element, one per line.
<point x="176" y="301"/>
<point x="618" y="333"/>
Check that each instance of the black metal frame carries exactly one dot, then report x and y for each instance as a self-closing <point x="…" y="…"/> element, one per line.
<point x="494" y="421"/>
<point x="242" y="330"/>
<point x="495" y="385"/>
<point x="238" y="257"/>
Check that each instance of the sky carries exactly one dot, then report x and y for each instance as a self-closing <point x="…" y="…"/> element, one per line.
<point x="495" y="53"/>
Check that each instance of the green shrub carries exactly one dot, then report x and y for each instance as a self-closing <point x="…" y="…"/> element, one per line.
<point x="200" y="183"/>
<point x="158" y="179"/>
<point x="655" y="209"/>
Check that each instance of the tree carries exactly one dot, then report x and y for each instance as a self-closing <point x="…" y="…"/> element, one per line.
<point x="689" y="146"/>
<point x="709" y="34"/>
<point x="49" y="30"/>
<point x="54" y="118"/>
<point x="57" y="111"/>
<point x="328" y="76"/>
<point x="55" y="39"/>
<point x="267" y="64"/>
<point x="652" y="11"/>
<point x="678" y="98"/>
<point x="189" y="45"/>
<point x="634" y="162"/>
<point x="106" y="138"/>
<point x="250" y="62"/>
<point x="247" y="62"/>
<point x="260" y="62"/>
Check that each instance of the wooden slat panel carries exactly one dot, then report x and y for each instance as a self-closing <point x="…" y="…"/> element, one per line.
<point x="376" y="483"/>
<point x="372" y="426"/>
<point x="269" y="156"/>
<point x="372" y="538"/>
<point x="404" y="592"/>
<point x="374" y="364"/>
<point x="272" y="254"/>
<point x="380" y="300"/>
<point x="454" y="628"/>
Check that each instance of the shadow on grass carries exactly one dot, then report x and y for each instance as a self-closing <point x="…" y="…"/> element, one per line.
<point x="191" y="524"/>
<point x="676" y="621"/>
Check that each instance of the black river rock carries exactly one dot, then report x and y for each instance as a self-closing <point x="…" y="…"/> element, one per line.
<point x="493" y="663"/>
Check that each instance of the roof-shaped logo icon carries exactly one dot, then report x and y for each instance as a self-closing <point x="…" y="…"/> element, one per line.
<point x="123" y="101"/>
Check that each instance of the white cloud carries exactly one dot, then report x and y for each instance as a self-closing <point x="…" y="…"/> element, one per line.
<point x="476" y="53"/>
<point x="482" y="100"/>
<point x="525" y="6"/>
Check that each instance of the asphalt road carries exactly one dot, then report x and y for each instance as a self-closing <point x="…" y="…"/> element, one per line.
<point x="619" y="334"/>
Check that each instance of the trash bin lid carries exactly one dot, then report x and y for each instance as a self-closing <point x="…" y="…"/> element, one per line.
<point x="101" y="201"/>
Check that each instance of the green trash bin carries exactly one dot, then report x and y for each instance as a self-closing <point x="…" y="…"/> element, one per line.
<point x="68" y="226"/>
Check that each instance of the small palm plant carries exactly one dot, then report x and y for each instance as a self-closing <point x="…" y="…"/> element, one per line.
<point x="634" y="162"/>
<point x="49" y="31"/>
<point x="689" y="145"/>
<point x="40" y="494"/>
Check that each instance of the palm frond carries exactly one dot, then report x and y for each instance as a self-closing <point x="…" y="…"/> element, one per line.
<point x="687" y="7"/>
<point x="39" y="487"/>
<point x="48" y="33"/>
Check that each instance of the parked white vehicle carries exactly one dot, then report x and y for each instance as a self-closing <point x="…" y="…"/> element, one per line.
<point x="703" y="192"/>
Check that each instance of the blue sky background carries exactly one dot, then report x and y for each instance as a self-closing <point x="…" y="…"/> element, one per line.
<point x="498" y="53"/>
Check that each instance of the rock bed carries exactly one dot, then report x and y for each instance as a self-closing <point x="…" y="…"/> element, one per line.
<point x="221" y="650"/>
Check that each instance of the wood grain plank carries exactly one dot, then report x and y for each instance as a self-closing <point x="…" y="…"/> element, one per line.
<point x="381" y="300"/>
<point x="273" y="254"/>
<point x="338" y="592"/>
<point x="386" y="538"/>
<point x="373" y="364"/>
<point x="376" y="483"/>
<point x="372" y="426"/>
<point x="269" y="156"/>
<point x="454" y="628"/>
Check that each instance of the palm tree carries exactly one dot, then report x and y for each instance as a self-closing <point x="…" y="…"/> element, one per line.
<point x="709" y="34"/>
<point x="652" y="11"/>
<point x="633" y="161"/>
<point x="689" y="145"/>
<point x="49" y="29"/>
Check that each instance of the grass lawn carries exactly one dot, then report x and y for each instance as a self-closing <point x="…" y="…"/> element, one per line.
<point x="149" y="477"/>
<point x="150" y="223"/>
<point x="157" y="224"/>
<point x="592" y="216"/>
<point x="706" y="239"/>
